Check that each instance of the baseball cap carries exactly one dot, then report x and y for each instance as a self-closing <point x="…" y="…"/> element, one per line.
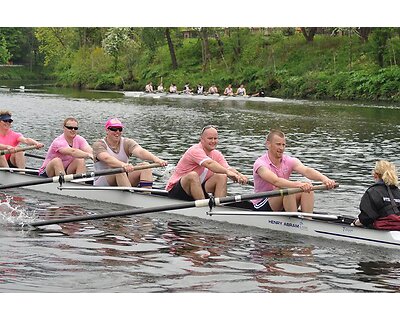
<point x="114" y="122"/>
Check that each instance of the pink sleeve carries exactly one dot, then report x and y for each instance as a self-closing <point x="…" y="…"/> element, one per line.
<point x="82" y="143"/>
<point x="17" y="135"/>
<point x="198" y="155"/>
<point x="59" y="144"/>
<point x="259" y="163"/>
<point x="218" y="157"/>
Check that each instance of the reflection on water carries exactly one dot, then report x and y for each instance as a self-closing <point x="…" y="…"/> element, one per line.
<point x="167" y="253"/>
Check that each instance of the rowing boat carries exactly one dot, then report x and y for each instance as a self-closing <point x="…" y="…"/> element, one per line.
<point x="326" y="226"/>
<point x="165" y="95"/>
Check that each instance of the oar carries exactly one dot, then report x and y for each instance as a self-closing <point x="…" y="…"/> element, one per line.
<point x="29" y="170"/>
<point x="183" y="205"/>
<point x="97" y="188"/>
<point x="3" y="152"/>
<point x="63" y="178"/>
<point x="35" y="156"/>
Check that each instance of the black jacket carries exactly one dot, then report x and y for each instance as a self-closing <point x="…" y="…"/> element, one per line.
<point x="375" y="203"/>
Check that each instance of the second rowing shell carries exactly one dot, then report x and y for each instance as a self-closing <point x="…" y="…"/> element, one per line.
<point x="164" y="95"/>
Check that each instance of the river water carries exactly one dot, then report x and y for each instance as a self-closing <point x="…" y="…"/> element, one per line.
<point x="167" y="253"/>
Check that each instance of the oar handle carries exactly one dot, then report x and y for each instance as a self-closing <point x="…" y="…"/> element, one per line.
<point x="268" y="194"/>
<point x="3" y="152"/>
<point x="146" y="166"/>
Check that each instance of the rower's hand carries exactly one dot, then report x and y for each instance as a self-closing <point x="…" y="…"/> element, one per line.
<point x="306" y="187"/>
<point x="89" y="156"/>
<point x="39" y="145"/>
<point x="242" y="179"/>
<point x="237" y="177"/>
<point x="330" y="184"/>
<point x="161" y="162"/>
<point x="129" y="167"/>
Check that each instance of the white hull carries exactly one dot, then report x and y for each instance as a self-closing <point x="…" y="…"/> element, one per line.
<point x="315" y="228"/>
<point x="164" y="95"/>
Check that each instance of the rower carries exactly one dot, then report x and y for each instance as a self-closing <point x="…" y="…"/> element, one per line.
<point x="10" y="139"/>
<point x="202" y="170"/>
<point x="67" y="152"/>
<point x="273" y="169"/>
<point x="114" y="151"/>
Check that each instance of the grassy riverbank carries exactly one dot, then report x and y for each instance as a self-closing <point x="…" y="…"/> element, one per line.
<point x="327" y="68"/>
<point x="284" y="65"/>
<point x="24" y="75"/>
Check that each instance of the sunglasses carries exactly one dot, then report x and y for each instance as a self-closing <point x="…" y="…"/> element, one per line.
<point x="71" y="128"/>
<point x="9" y="120"/>
<point x="115" y="129"/>
<point x="208" y="127"/>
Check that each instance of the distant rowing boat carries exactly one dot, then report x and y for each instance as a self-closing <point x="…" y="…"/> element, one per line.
<point x="324" y="225"/>
<point x="164" y="95"/>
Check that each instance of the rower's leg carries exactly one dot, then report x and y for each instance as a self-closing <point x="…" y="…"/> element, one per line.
<point x="142" y="178"/>
<point x="3" y="162"/>
<point x="306" y="201"/>
<point x="78" y="165"/>
<point x="217" y="185"/>
<point x="120" y="179"/>
<point x="18" y="160"/>
<point x="290" y="203"/>
<point x="55" y="167"/>
<point x="276" y="203"/>
<point x="192" y="186"/>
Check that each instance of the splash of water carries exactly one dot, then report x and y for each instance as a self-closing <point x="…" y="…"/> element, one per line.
<point x="11" y="214"/>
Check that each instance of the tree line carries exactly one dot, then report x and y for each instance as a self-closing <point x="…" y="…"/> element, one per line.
<point x="127" y="58"/>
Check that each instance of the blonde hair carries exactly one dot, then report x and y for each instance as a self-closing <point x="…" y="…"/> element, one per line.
<point x="5" y="112"/>
<point x="387" y="172"/>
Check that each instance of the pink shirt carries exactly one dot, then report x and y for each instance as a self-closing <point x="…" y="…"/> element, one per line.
<point x="10" y="139"/>
<point x="58" y="143"/>
<point x="191" y="161"/>
<point x="284" y="171"/>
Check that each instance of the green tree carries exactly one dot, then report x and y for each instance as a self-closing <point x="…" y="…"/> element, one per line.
<point x="115" y="41"/>
<point x="171" y="48"/>
<point x="205" y="47"/>
<point x="21" y="43"/>
<point x="56" y="44"/>
<point x="379" y="39"/>
<point x="309" y="33"/>
<point x="5" y="55"/>
<point x="152" y="39"/>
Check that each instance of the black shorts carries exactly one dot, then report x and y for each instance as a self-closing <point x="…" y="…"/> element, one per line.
<point x="263" y="205"/>
<point x="44" y="174"/>
<point x="177" y="192"/>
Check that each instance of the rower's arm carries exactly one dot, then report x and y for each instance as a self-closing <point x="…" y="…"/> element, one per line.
<point x="30" y="142"/>
<point x="144" y="154"/>
<point x="76" y="153"/>
<point x="232" y="173"/>
<point x="314" y="175"/>
<point x="272" y="178"/>
<point x="110" y="161"/>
